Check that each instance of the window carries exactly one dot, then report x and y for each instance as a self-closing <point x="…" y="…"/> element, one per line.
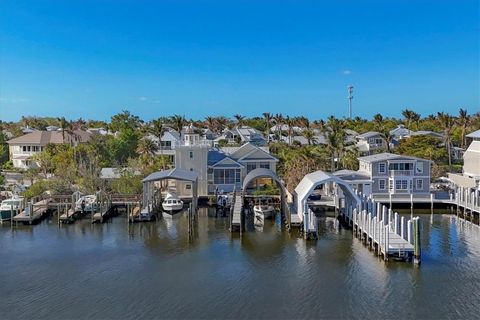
<point x="251" y="166"/>
<point x="381" y="168"/>
<point x="265" y="165"/>
<point x="188" y="186"/>
<point x="226" y="176"/>
<point x="237" y="176"/>
<point x="381" y="184"/>
<point x="419" y="184"/>
<point x="191" y="154"/>
<point x="401" y="184"/>
<point x="419" y="167"/>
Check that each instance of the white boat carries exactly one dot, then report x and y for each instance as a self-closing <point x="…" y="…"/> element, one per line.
<point x="263" y="210"/>
<point x="15" y="203"/>
<point x="266" y="211"/>
<point x="86" y="203"/>
<point x="172" y="203"/>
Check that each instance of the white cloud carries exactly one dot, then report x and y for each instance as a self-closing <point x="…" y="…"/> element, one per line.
<point x="347" y="72"/>
<point x="142" y="98"/>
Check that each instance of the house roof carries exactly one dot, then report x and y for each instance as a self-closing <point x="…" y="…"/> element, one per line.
<point x="400" y="131"/>
<point x="352" y="175"/>
<point x="426" y="133"/>
<point x="215" y="156"/>
<point x="474" y="134"/>
<point x="227" y="162"/>
<point x="45" y="137"/>
<point x="387" y="156"/>
<point x="175" y="173"/>
<point x="369" y="134"/>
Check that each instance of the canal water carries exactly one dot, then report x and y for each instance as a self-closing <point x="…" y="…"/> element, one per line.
<point x="152" y="270"/>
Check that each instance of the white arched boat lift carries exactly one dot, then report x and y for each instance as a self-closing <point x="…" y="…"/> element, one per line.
<point x="305" y="189"/>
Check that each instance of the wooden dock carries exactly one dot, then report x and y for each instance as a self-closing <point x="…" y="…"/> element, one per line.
<point x="104" y="214"/>
<point x="70" y="216"/>
<point x="237" y="213"/>
<point x="385" y="231"/>
<point x="33" y="212"/>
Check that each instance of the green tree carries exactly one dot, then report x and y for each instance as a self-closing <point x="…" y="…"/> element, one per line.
<point x="125" y="121"/>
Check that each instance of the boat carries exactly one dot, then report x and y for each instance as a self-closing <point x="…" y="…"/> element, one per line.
<point x="172" y="204"/>
<point x="15" y="203"/>
<point x="224" y="201"/>
<point x="87" y="203"/>
<point x="262" y="211"/>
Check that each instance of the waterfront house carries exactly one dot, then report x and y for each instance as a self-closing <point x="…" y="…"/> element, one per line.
<point x="220" y="169"/>
<point x="470" y="178"/>
<point x="386" y="174"/>
<point x="23" y="148"/>
<point x="371" y="142"/>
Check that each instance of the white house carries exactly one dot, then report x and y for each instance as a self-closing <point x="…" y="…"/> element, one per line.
<point x="23" y="148"/>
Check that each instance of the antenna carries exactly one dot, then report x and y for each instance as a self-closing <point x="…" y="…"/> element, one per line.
<point x="350" y="97"/>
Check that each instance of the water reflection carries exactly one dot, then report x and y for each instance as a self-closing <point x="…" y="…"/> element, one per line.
<point x="107" y="270"/>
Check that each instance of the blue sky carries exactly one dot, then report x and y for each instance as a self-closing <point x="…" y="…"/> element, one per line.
<point x="92" y="59"/>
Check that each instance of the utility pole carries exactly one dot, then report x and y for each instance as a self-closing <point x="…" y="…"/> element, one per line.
<point x="350" y="97"/>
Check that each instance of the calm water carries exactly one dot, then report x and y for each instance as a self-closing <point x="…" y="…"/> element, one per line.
<point x="153" y="271"/>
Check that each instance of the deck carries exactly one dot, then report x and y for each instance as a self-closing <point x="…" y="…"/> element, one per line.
<point x="38" y="211"/>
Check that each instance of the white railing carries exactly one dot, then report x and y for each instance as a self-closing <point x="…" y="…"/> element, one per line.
<point x="401" y="172"/>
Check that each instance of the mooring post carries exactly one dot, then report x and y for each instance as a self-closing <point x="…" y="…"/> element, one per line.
<point x="416" y="247"/>
<point x="411" y="205"/>
<point x="11" y="216"/>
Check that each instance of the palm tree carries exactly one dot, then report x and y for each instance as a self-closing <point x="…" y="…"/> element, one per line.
<point x="178" y="122"/>
<point x="447" y="122"/>
<point x="302" y="122"/>
<point x="378" y="121"/>
<point x="335" y="137"/>
<point x="410" y="117"/>
<point x="63" y="123"/>
<point x="289" y="122"/>
<point x="240" y="119"/>
<point x="157" y="129"/>
<point x="210" y="123"/>
<point x="146" y="147"/>
<point x="310" y="136"/>
<point x="463" y="121"/>
<point x="278" y="119"/>
<point x="268" y="119"/>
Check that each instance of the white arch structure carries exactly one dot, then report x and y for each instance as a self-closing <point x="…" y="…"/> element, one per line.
<point x="305" y="189"/>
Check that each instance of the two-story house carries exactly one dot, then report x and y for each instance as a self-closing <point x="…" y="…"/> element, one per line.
<point x="23" y="148"/>
<point x="371" y="142"/>
<point x="470" y="178"/>
<point x="220" y="169"/>
<point x="387" y="173"/>
<point x="396" y="174"/>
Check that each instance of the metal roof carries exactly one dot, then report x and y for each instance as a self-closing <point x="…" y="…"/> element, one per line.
<point x="387" y="156"/>
<point x="314" y="179"/>
<point x="178" y="174"/>
<point x="369" y="134"/>
<point x="474" y="134"/>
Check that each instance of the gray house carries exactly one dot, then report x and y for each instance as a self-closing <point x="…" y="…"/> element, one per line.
<point x="396" y="174"/>
<point x="371" y="142"/>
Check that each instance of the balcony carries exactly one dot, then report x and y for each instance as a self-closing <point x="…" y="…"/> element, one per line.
<point x="404" y="173"/>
